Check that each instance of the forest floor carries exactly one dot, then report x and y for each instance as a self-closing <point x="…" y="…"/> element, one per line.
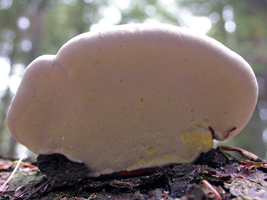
<point x="222" y="173"/>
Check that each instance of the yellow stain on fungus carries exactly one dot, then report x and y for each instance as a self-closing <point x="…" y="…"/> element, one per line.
<point x="151" y="150"/>
<point x="168" y="157"/>
<point x="142" y="100"/>
<point x="205" y="123"/>
<point x="107" y="171"/>
<point x="198" y="135"/>
<point x="141" y="162"/>
<point x="194" y="127"/>
<point x="138" y="112"/>
<point x="64" y="149"/>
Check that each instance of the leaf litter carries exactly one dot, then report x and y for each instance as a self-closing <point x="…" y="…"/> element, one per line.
<point x="217" y="174"/>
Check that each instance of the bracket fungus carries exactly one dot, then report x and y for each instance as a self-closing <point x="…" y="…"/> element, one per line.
<point x="134" y="96"/>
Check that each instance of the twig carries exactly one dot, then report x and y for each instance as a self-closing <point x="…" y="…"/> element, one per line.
<point x="244" y="153"/>
<point x="3" y="187"/>
<point x="209" y="186"/>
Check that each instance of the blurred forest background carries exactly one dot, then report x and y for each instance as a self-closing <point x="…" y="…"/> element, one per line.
<point x="30" y="28"/>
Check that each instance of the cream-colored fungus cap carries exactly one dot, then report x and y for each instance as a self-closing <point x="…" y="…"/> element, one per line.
<point x="132" y="97"/>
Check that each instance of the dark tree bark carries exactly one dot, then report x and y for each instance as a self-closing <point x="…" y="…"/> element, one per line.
<point x="215" y="175"/>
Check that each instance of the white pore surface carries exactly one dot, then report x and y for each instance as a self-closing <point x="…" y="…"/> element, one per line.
<point x="133" y="97"/>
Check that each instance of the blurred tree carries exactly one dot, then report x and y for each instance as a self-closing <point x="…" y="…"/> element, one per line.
<point x="30" y="28"/>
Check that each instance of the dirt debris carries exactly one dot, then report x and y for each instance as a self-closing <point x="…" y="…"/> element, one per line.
<point x="215" y="175"/>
